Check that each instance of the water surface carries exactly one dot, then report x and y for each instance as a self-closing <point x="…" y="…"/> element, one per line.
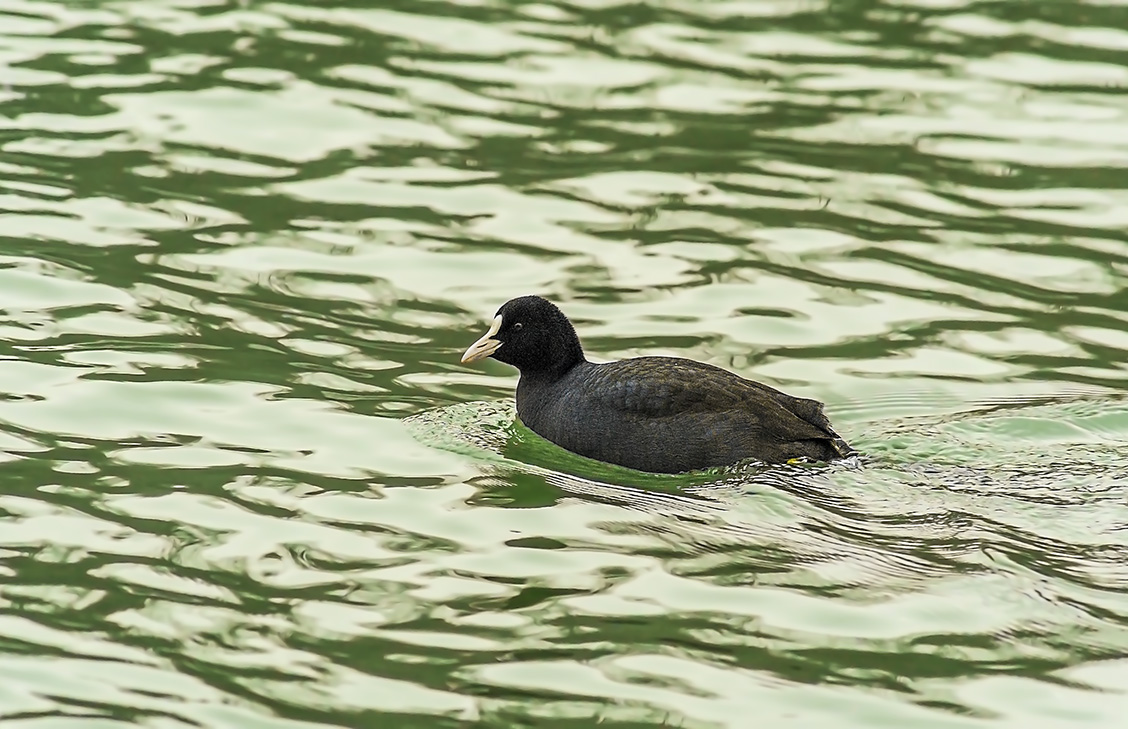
<point x="248" y="484"/>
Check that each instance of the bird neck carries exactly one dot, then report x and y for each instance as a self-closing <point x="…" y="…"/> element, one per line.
<point x="563" y="356"/>
<point x="556" y="372"/>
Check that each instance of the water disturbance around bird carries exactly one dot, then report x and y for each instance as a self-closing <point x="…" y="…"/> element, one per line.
<point x="248" y="483"/>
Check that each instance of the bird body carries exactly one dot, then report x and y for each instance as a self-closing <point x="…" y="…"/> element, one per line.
<point x="657" y="414"/>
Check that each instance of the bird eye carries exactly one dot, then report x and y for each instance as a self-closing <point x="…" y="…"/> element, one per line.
<point x="517" y="326"/>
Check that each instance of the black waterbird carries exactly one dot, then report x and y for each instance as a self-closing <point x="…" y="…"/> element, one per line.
<point x="657" y="414"/>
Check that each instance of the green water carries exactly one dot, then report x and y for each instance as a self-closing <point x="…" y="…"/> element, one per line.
<point x="247" y="483"/>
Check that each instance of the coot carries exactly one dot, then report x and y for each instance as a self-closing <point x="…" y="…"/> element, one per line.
<point x="657" y="414"/>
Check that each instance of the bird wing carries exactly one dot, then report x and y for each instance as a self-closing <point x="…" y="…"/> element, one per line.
<point x="670" y="386"/>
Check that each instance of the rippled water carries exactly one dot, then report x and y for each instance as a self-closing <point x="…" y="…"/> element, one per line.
<point x="248" y="484"/>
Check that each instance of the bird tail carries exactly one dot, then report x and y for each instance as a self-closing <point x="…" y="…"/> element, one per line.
<point x="840" y="446"/>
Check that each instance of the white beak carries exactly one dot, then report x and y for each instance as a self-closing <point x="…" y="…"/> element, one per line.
<point x="485" y="346"/>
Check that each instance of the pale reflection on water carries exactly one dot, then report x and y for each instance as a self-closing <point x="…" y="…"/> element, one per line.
<point x="248" y="482"/>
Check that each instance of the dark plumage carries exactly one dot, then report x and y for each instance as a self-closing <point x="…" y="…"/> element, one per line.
<point x="658" y="414"/>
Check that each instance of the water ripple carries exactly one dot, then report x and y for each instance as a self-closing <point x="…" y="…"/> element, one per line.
<point x="250" y="484"/>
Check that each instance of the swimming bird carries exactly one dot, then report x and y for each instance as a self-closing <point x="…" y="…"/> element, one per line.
<point x="656" y="414"/>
